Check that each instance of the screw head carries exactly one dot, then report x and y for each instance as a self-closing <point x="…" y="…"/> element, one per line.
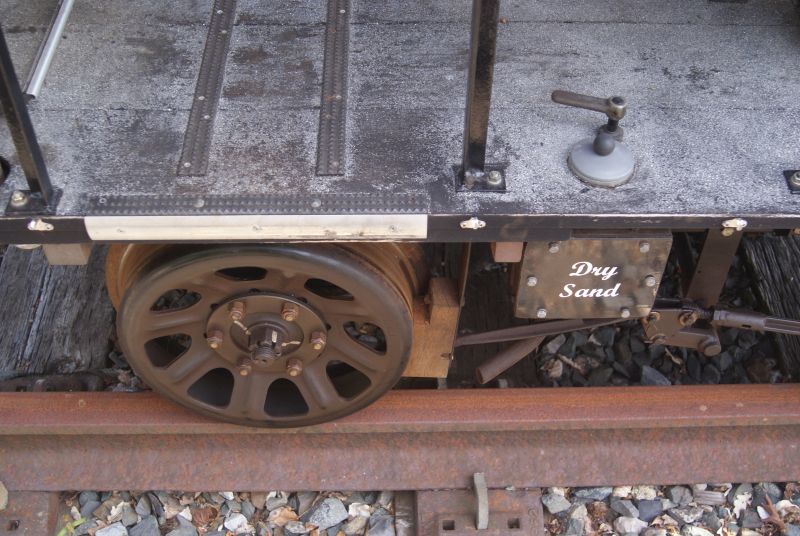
<point x="625" y="312"/>
<point x="19" y="198"/>
<point x="237" y="311"/>
<point x="495" y="178"/>
<point x="318" y="340"/>
<point x="650" y="281"/>
<point x="644" y="247"/>
<point x="553" y="247"/>
<point x="541" y="313"/>
<point x="214" y="339"/>
<point x="727" y="231"/>
<point x="532" y="281"/>
<point x="290" y="311"/>
<point x="294" y="367"/>
<point x="795" y="179"/>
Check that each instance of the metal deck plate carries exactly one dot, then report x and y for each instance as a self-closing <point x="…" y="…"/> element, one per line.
<point x="713" y="119"/>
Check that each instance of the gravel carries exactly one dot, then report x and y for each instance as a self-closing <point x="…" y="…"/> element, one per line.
<point x="696" y="510"/>
<point x="258" y="513"/>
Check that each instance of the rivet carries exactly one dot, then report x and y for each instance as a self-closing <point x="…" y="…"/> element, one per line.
<point x="625" y="312"/>
<point x="644" y="247"/>
<point x="650" y="281"/>
<point x="532" y="281"/>
<point x="553" y="247"/>
<point x="795" y="179"/>
<point x="541" y="313"/>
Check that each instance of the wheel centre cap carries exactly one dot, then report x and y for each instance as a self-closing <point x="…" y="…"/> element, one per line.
<point x="265" y="328"/>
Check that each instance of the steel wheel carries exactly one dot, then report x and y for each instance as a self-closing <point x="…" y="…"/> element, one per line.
<point x="267" y="335"/>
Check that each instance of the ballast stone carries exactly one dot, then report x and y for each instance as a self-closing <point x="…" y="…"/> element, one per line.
<point x="629" y="525"/>
<point x="148" y="526"/>
<point x="555" y="503"/>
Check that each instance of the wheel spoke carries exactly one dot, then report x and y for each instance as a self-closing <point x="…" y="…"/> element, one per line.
<point x="169" y="322"/>
<point x="214" y="288"/>
<point x="249" y="394"/>
<point x="317" y="389"/>
<point x="342" y="348"/>
<point x="191" y="366"/>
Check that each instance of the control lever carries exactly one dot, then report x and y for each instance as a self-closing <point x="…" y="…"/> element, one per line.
<point x="603" y="160"/>
<point x="755" y="321"/>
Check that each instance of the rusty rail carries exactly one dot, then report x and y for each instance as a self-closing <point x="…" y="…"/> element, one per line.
<point x="410" y="440"/>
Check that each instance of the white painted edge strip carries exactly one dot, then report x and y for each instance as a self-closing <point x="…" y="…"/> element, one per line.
<point x="258" y="227"/>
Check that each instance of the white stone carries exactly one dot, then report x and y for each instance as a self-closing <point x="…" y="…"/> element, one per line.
<point x="629" y="525"/>
<point x="359" y="510"/>
<point x="117" y="529"/>
<point x="691" y="530"/>
<point x="644" y="493"/>
<point x="186" y="514"/>
<point x="237" y="523"/>
<point x="558" y="491"/>
<point x="622" y="491"/>
<point x="228" y="495"/>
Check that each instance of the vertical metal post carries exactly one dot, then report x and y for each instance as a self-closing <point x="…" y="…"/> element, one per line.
<point x="485" y="15"/>
<point x="19" y="123"/>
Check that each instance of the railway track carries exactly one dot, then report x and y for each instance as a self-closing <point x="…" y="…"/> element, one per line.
<point x="409" y="440"/>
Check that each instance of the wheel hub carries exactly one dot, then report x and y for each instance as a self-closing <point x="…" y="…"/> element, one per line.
<point x="254" y="330"/>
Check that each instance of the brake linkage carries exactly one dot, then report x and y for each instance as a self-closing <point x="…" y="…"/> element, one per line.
<point x="687" y="315"/>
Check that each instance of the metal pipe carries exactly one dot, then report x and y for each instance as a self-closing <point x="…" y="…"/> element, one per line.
<point x="494" y="366"/>
<point x="47" y="51"/>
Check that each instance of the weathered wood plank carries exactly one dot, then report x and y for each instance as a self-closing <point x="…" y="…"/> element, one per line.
<point x="776" y="268"/>
<point x="52" y="319"/>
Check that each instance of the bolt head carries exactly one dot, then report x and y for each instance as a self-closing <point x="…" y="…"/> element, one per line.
<point x="214" y="339"/>
<point x="318" y="340"/>
<point x="18" y="198"/>
<point x="532" y="281"/>
<point x="237" y="311"/>
<point x="727" y="231"/>
<point x="290" y="311"/>
<point x="644" y="247"/>
<point x="495" y="178"/>
<point x="553" y="247"/>
<point x="795" y="179"/>
<point x="650" y="281"/>
<point x="541" y="313"/>
<point x="294" y="367"/>
<point x="625" y="312"/>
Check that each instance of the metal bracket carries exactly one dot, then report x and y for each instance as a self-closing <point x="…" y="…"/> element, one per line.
<point x="491" y="179"/>
<point x="792" y="177"/>
<point x="30" y="203"/>
<point x="506" y="512"/>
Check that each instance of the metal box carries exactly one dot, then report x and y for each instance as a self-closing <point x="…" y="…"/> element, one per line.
<point x="592" y="276"/>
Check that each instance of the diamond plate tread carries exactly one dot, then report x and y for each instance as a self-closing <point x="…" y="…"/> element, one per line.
<point x="162" y="205"/>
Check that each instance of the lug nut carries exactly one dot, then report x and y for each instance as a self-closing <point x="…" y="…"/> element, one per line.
<point x="214" y="339"/>
<point x="625" y="312"/>
<point x="650" y="281"/>
<point x="289" y="311"/>
<point x="541" y="313"/>
<point x="237" y="311"/>
<point x="532" y="281"/>
<point x="294" y="367"/>
<point x="245" y="366"/>
<point x="553" y="247"/>
<point x="318" y="340"/>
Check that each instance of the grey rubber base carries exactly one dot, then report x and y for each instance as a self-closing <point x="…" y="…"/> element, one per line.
<point x="607" y="171"/>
